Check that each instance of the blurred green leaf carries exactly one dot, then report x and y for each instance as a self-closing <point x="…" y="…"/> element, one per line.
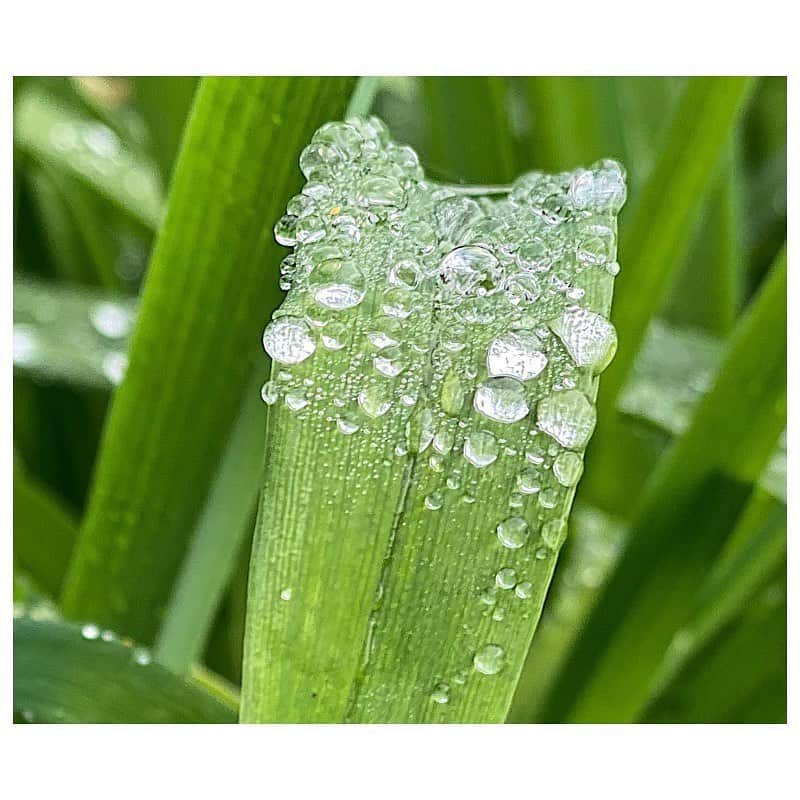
<point x="678" y="531"/>
<point x="191" y="357"/>
<point x="470" y="138"/>
<point x="68" y="673"/>
<point x="44" y="532"/>
<point x="58" y="136"/>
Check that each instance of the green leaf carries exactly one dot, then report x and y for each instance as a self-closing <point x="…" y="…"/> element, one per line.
<point x="469" y="132"/>
<point x="68" y="673"/>
<point x="58" y="136"/>
<point x="655" y="237"/>
<point x="385" y="526"/>
<point x="740" y="674"/>
<point x="680" y="522"/>
<point x="78" y="336"/>
<point x="191" y="357"/>
<point x="44" y="532"/>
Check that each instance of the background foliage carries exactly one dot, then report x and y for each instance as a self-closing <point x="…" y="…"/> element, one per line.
<point x="668" y="603"/>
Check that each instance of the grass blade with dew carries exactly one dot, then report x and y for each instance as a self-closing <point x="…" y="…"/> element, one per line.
<point x="82" y="674"/>
<point x="398" y="572"/>
<point x="191" y="357"/>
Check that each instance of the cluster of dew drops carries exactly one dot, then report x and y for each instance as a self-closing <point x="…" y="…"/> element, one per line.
<point x="432" y="301"/>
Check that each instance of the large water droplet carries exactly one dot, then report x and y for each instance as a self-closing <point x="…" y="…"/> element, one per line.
<point x="480" y="449"/>
<point x="513" y="532"/>
<point x="516" y="354"/>
<point x="502" y="399"/>
<point x="288" y="340"/>
<point x="337" y="284"/>
<point x="568" y="417"/>
<point x="568" y="468"/>
<point x="470" y="271"/>
<point x="589" y="338"/>
<point x="489" y="659"/>
<point x="601" y="188"/>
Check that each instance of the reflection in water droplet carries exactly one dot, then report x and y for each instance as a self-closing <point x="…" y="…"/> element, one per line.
<point x="434" y="501"/>
<point x="270" y="393"/>
<point x="513" y="532"/>
<point x="489" y="660"/>
<point x="347" y="424"/>
<point x="506" y="578"/>
<point x="523" y="590"/>
<point x="90" y="632"/>
<point x="337" y="284"/>
<point x="470" y="271"/>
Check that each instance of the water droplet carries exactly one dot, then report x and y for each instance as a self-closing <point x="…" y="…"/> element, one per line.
<point x="455" y="216"/>
<point x="521" y="290"/>
<point x="502" y="399"/>
<point x="443" y="441"/>
<point x="480" y="449"/>
<point x="441" y="694"/>
<point x="499" y="614"/>
<point x="601" y="188"/>
<point x="381" y="190"/>
<point x="470" y="271"/>
<point x="405" y="274"/>
<point x="528" y="481"/>
<point x="318" y="160"/>
<point x="453" y="394"/>
<point x="568" y="468"/>
<point x="513" y="532"/>
<point x="347" y="424"/>
<point x="434" y="501"/>
<point x="399" y="303"/>
<point x="286" y="594"/>
<point x="285" y="230"/>
<point x="25" y="344"/>
<point x="296" y="400"/>
<point x="548" y="498"/>
<point x="516" y="354"/>
<point x="489" y="660"/>
<point x="270" y="393"/>
<point x="142" y="657"/>
<point x="589" y="338"/>
<point x="374" y="401"/>
<point x="334" y="335"/>
<point x="337" y="283"/>
<point x="554" y="532"/>
<point x="523" y="590"/>
<point x="111" y="320"/>
<point x="114" y="367"/>
<point x="506" y="578"/>
<point x="534" y="255"/>
<point x="90" y="632"/>
<point x="568" y="417"/>
<point x="390" y="361"/>
<point x="288" y="340"/>
<point x="420" y="430"/>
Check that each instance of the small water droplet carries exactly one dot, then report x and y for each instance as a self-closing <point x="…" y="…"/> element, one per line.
<point x="506" y="578"/>
<point x="516" y="354"/>
<point x="523" y="590"/>
<point x="568" y="468"/>
<point x="513" y="532"/>
<point x="434" y="501"/>
<point x="111" y="320"/>
<point x="296" y="400"/>
<point x="589" y="338"/>
<point x="441" y="694"/>
<point x="334" y="335"/>
<point x="286" y="594"/>
<point x="374" y="401"/>
<point x="347" y="424"/>
<point x="142" y="657"/>
<point x="270" y="392"/>
<point x="405" y="274"/>
<point x="554" y="532"/>
<point x="480" y="449"/>
<point x="337" y="284"/>
<point x="90" y="632"/>
<point x="489" y="659"/>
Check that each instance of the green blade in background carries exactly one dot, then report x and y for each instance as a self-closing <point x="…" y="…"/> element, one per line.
<point x="739" y="676"/>
<point x="655" y="236"/>
<point x="164" y="102"/>
<point x="44" y="532"/>
<point x="397" y="573"/>
<point x="601" y="682"/>
<point x="71" y="673"/>
<point x="208" y="288"/>
<point x="469" y="136"/>
<point x="54" y="134"/>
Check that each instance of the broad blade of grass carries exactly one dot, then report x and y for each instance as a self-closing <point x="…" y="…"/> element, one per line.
<point x="398" y="572"/>
<point x="191" y="357"/>
<point x="601" y="682"/>
<point x="70" y="673"/>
